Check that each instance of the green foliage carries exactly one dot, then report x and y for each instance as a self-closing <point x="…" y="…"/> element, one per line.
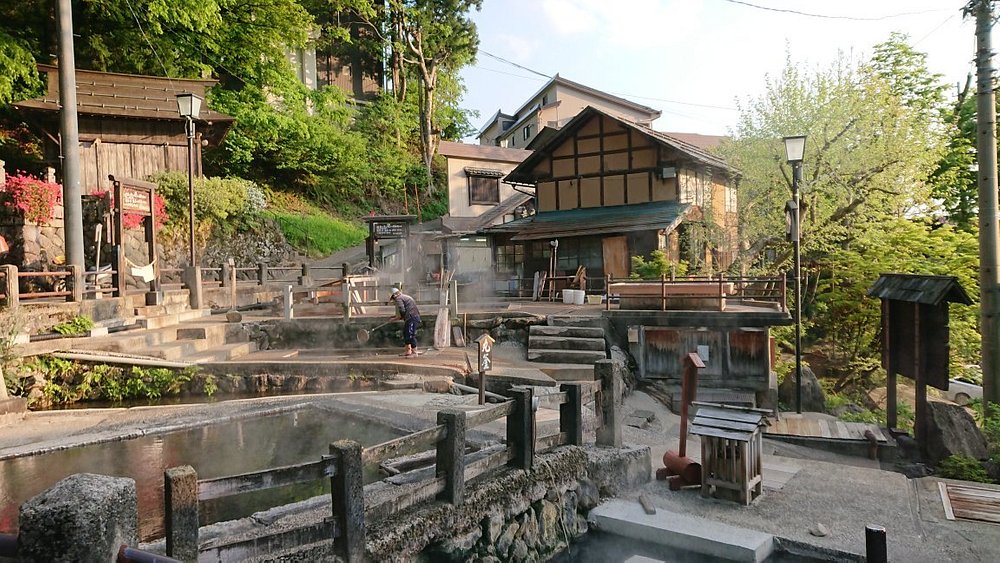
<point x="964" y="468"/>
<point x="68" y="382"/>
<point x="658" y="265"/>
<point x="18" y="75"/>
<point x="989" y="423"/>
<point x="74" y="326"/>
<point x="318" y="234"/>
<point x="217" y="201"/>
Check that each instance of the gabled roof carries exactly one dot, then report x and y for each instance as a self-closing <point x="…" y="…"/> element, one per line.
<point x="464" y="225"/>
<point x="595" y="220"/>
<point x="523" y="174"/>
<point x="481" y="152"/>
<point x="927" y="290"/>
<point x="560" y="81"/>
<point x="124" y="95"/>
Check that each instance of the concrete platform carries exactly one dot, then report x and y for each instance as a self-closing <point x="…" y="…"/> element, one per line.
<point x="682" y="531"/>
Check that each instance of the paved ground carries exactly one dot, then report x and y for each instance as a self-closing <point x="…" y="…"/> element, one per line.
<point x="803" y="487"/>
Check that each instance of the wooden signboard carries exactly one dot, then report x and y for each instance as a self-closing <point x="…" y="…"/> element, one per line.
<point x="137" y="200"/>
<point x="931" y="357"/>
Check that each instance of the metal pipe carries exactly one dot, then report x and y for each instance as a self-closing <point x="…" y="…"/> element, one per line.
<point x="797" y="246"/>
<point x="69" y="138"/>
<point x="128" y="554"/>
<point x="875" y="545"/>
<point x="190" y="140"/>
<point x="473" y="391"/>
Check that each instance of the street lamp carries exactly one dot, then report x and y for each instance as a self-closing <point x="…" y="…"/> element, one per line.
<point x="189" y="106"/>
<point x="795" y="148"/>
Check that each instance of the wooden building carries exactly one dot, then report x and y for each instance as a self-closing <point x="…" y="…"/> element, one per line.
<point x="129" y="125"/>
<point x="608" y="189"/>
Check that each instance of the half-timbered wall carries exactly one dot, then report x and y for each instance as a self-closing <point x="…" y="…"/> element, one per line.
<point x="604" y="164"/>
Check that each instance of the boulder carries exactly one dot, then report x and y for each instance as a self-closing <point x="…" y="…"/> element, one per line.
<point x="951" y="430"/>
<point x="813" y="399"/>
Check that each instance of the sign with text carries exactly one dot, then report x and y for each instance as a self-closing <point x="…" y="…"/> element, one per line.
<point x="485" y="352"/>
<point x="137" y="200"/>
<point x="391" y="229"/>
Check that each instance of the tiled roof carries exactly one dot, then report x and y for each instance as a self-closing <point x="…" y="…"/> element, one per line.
<point x="928" y="290"/>
<point x="703" y="142"/>
<point x="124" y="95"/>
<point x="595" y="220"/>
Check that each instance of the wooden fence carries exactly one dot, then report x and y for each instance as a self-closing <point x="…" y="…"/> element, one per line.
<point x="766" y="291"/>
<point x="444" y="481"/>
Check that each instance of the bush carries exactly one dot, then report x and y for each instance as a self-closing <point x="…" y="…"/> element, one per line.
<point x="34" y="198"/>
<point x="964" y="468"/>
<point x="75" y="326"/>
<point x="219" y="201"/>
<point x="658" y="265"/>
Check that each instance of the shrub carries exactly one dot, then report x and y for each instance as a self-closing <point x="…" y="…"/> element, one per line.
<point x="34" y="198"/>
<point x="74" y="326"/>
<point x="658" y="265"/>
<point x="216" y="200"/>
<point x="964" y="468"/>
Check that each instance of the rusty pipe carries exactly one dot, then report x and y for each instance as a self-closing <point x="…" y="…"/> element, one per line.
<point x="128" y="554"/>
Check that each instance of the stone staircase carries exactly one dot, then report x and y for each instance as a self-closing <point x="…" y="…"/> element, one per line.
<point x="571" y="345"/>
<point x="175" y="333"/>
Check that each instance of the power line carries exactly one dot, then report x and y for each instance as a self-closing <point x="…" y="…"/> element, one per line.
<point x="150" y="43"/>
<point x="829" y="17"/>
<point x="512" y="63"/>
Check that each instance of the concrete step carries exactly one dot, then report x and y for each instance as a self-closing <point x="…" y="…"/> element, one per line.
<point x="682" y="531"/>
<point x="215" y="334"/>
<point x="172" y="319"/>
<point x="575" y="321"/>
<point x="536" y="342"/>
<point x="130" y="342"/>
<point x="223" y="353"/>
<point x="180" y="350"/>
<point x="566" y="373"/>
<point x="566" y="356"/>
<point x="567" y="331"/>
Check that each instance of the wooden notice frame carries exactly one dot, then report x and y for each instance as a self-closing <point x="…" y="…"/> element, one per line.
<point x="135" y="197"/>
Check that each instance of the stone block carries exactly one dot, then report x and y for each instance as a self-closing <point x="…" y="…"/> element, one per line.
<point x="12" y="410"/>
<point x="616" y="470"/>
<point x="84" y="517"/>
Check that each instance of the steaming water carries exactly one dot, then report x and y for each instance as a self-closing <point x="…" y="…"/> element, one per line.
<point x="214" y="450"/>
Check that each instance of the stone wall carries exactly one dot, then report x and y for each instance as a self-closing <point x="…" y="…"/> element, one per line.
<point x="516" y="515"/>
<point x="32" y="244"/>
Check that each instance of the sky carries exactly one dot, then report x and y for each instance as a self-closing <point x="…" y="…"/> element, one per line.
<point x="693" y="59"/>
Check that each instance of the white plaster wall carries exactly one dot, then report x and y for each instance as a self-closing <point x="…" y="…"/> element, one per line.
<point x="458" y="186"/>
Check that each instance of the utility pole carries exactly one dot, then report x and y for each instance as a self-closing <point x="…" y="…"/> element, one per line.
<point x="69" y="141"/>
<point x="989" y="233"/>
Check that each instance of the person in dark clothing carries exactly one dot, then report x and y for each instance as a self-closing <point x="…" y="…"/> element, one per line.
<point x="406" y="309"/>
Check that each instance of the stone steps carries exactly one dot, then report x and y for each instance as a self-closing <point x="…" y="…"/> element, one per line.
<point x="575" y="321"/>
<point x="565" y="343"/>
<point x="223" y="353"/>
<point x="566" y="331"/>
<point x="566" y="356"/>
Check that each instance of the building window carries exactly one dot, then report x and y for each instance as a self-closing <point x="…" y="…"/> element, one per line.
<point x="484" y="185"/>
<point x="509" y="257"/>
<point x="527" y="132"/>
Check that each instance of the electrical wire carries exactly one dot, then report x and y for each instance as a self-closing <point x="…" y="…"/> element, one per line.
<point x="150" y="43"/>
<point x="829" y="17"/>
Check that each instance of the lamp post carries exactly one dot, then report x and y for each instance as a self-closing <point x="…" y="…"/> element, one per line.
<point x="794" y="150"/>
<point x="189" y="106"/>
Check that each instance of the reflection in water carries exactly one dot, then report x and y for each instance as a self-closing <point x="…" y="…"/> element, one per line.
<point x="215" y="450"/>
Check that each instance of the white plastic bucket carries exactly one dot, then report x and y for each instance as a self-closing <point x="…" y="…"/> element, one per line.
<point x="579" y="296"/>
<point x="568" y="296"/>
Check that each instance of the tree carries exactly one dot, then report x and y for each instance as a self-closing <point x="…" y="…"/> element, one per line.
<point x="427" y="39"/>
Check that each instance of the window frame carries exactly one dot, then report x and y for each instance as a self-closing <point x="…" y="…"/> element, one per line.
<point x="482" y="178"/>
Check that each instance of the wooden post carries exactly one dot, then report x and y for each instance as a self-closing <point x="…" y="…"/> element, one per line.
<point x="75" y="283"/>
<point x="451" y="456"/>
<point x="663" y="292"/>
<point x="920" y="416"/>
<point x="610" y="431"/>
<point x="689" y="386"/>
<point x="289" y="305"/>
<point x="225" y="276"/>
<point x="521" y="429"/>
<point x="304" y="277"/>
<point x="890" y="370"/>
<point x="607" y="294"/>
<point x="347" y="490"/>
<point x="10" y="285"/>
<point x="784" y="291"/>
<point x="261" y="273"/>
<point x="180" y="518"/>
<point x="571" y="413"/>
<point x="875" y="545"/>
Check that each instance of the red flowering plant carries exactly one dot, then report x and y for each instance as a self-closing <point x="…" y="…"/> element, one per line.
<point x="34" y="198"/>
<point x="134" y="220"/>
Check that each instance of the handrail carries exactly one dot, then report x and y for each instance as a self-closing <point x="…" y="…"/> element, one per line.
<point x="266" y="479"/>
<point x="392" y="448"/>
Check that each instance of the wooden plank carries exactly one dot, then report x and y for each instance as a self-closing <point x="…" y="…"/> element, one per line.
<point x="987" y="494"/>
<point x="721" y="414"/>
<point x="489" y="414"/>
<point x="719" y="433"/>
<point x="725" y="424"/>
<point x="546" y="443"/>
<point x="490" y="461"/>
<point x="411" y="496"/>
<point x="266" y="479"/>
<point x="424" y="439"/>
<point x="248" y="548"/>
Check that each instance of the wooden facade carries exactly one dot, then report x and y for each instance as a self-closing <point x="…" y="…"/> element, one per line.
<point x="129" y="125"/>
<point x="617" y="189"/>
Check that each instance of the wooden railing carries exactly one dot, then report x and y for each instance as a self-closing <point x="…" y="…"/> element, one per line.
<point x="444" y="481"/>
<point x="766" y="291"/>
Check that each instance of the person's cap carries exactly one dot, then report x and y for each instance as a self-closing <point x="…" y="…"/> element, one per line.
<point x="394" y="293"/>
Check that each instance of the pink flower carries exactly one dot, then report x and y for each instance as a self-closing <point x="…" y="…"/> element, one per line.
<point x="33" y="197"/>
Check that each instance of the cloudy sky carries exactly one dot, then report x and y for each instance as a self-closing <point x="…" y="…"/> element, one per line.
<point x="692" y="59"/>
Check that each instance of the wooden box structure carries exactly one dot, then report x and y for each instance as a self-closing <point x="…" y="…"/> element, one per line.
<point x="730" y="450"/>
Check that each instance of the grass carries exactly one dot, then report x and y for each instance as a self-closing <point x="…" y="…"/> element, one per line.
<point x="315" y="233"/>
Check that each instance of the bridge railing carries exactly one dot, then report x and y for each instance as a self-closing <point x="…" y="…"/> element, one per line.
<point x="444" y="481"/>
